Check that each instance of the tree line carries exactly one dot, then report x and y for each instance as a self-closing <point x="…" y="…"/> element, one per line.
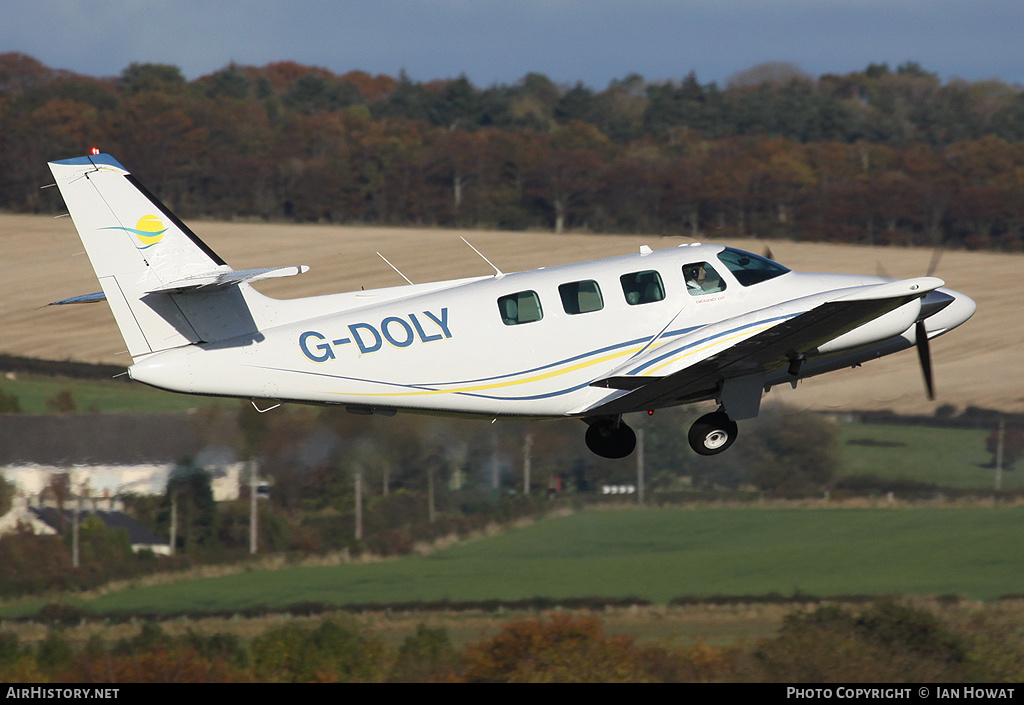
<point x="885" y="641"/>
<point x="876" y="156"/>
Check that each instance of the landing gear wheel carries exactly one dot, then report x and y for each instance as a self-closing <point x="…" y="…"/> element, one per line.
<point x="712" y="433"/>
<point x="610" y="439"/>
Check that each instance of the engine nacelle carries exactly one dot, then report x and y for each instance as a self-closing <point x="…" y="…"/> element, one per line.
<point x="890" y="325"/>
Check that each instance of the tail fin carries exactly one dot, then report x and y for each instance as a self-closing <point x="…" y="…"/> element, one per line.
<point x="165" y="286"/>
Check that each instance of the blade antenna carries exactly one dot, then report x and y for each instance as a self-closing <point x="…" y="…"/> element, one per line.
<point x="395" y="268"/>
<point x="497" y="272"/>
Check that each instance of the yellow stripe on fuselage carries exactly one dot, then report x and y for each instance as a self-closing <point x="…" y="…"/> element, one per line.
<point x="516" y="382"/>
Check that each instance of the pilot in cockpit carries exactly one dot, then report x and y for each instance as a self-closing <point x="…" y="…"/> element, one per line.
<point x="701" y="278"/>
<point x="695" y="275"/>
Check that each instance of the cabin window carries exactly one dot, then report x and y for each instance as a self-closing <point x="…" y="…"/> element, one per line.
<point x="581" y="297"/>
<point x="521" y="307"/>
<point x="749" y="268"/>
<point x="642" y="287"/>
<point x="701" y="278"/>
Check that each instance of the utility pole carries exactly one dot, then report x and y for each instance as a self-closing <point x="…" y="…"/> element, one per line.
<point x="174" y="520"/>
<point x="640" y="467"/>
<point x="431" y="514"/>
<point x="495" y="480"/>
<point x="74" y="532"/>
<point x="253" y="514"/>
<point x="1000" y="439"/>
<point x="359" y="503"/>
<point x="527" y="461"/>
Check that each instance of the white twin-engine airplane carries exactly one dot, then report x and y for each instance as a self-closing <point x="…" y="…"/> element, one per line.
<point x="594" y="340"/>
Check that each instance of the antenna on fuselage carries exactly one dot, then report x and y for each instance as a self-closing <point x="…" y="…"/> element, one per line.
<point x="395" y="268"/>
<point x="497" y="272"/>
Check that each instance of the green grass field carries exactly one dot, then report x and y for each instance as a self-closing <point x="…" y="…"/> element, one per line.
<point x="948" y="457"/>
<point x="655" y="554"/>
<point x="106" y="396"/>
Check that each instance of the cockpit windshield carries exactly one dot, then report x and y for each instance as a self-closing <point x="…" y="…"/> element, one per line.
<point x="750" y="268"/>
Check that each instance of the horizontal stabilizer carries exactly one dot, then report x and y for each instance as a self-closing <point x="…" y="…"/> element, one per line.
<point x="223" y="278"/>
<point x="81" y="299"/>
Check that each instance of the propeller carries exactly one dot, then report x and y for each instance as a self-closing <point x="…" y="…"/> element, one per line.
<point x="936" y="256"/>
<point x="923" y="350"/>
<point x="924" y="354"/>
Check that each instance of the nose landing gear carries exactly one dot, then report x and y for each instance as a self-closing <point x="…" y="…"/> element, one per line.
<point x="712" y="433"/>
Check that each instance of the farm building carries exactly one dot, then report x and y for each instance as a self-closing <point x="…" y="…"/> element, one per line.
<point x="104" y="456"/>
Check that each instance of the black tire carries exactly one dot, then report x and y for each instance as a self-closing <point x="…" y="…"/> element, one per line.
<point x="610" y="440"/>
<point x="712" y="433"/>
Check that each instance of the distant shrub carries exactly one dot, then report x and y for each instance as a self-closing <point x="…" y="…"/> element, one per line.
<point x="333" y="652"/>
<point x="177" y="665"/>
<point x="561" y="649"/>
<point x="426" y="656"/>
<point x="63" y="402"/>
<point x="67" y="615"/>
<point x="9" y="403"/>
<point x="887" y="643"/>
<point x="10" y="648"/>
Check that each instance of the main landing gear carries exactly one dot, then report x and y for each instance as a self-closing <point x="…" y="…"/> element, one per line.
<point x="611" y="437"/>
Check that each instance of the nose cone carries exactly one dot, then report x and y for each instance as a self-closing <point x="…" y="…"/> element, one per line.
<point x="961" y="308"/>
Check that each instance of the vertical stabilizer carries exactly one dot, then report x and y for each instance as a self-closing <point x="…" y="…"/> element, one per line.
<point x="165" y="286"/>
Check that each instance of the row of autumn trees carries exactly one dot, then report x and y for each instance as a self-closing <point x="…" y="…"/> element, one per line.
<point x="880" y="156"/>
<point x="885" y="642"/>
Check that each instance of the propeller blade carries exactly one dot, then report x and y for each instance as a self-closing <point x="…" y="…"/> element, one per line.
<point x="934" y="264"/>
<point x="925" y="356"/>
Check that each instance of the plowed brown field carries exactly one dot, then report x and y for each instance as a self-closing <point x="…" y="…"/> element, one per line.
<point x="982" y="363"/>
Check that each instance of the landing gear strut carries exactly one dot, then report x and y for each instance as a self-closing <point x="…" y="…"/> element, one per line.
<point x="712" y="433"/>
<point x="611" y="438"/>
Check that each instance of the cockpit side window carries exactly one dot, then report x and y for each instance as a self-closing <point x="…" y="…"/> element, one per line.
<point x="701" y="278"/>
<point x="750" y="269"/>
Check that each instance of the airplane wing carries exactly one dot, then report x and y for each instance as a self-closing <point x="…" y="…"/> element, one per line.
<point x="757" y="343"/>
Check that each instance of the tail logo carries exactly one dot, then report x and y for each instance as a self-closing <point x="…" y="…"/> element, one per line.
<point x="150" y="230"/>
